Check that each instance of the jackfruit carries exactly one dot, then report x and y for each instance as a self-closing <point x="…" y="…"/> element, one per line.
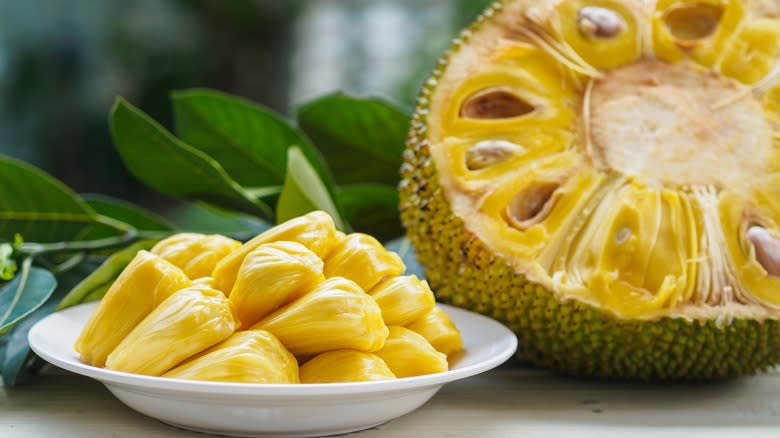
<point x="336" y="315"/>
<point x="403" y="299"/>
<point x="314" y="230"/>
<point x="408" y="354"/>
<point x="252" y="356"/>
<point x="146" y="282"/>
<point x="271" y="276"/>
<point x="362" y="259"/>
<point x="196" y="254"/>
<point x="439" y="330"/>
<point x="186" y="323"/>
<point x="341" y="366"/>
<point x="601" y="176"/>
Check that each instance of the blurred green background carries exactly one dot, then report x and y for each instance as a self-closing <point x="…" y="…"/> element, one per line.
<point x="63" y="62"/>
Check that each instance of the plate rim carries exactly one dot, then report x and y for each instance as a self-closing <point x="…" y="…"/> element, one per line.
<point x="166" y="385"/>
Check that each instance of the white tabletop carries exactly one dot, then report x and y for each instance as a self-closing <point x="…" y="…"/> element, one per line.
<point x="508" y="402"/>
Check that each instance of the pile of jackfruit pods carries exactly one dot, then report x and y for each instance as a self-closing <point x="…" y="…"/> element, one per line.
<point x="203" y="307"/>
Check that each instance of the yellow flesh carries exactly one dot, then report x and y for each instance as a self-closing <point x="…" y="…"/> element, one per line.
<point x="271" y="276"/>
<point x="403" y="299"/>
<point x="409" y="354"/>
<point x="340" y="366"/>
<point x="196" y="254"/>
<point x="146" y="282"/>
<point x="252" y="356"/>
<point x="620" y="171"/>
<point x="337" y="314"/>
<point x="156" y="321"/>
<point x="183" y="325"/>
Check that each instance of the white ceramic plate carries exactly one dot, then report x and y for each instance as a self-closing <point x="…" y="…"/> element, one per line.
<point x="274" y="410"/>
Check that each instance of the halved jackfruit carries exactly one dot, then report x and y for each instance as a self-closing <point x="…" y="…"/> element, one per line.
<point x="439" y="330"/>
<point x="183" y="325"/>
<point x="196" y="254"/>
<point x="601" y="175"/>
<point x="272" y="276"/>
<point x="408" y="354"/>
<point x="341" y="366"/>
<point x="403" y="299"/>
<point x="146" y="282"/>
<point x="362" y="259"/>
<point x="336" y="315"/>
<point x="252" y="356"/>
<point x="314" y="230"/>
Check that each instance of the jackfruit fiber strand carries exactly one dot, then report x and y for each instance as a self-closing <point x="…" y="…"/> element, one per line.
<point x="271" y="276"/>
<point x="143" y="284"/>
<point x="314" y="230"/>
<point x="185" y="324"/>
<point x="341" y="366"/>
<point x="252" y="356"/>
<point x="337" y="314"/>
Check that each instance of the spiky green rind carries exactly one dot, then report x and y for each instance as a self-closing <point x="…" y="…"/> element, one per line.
<point x="568" y="337"/>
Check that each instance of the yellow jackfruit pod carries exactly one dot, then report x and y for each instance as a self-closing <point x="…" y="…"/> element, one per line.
<point x="143" y="284"/>
<point x="196" y="254"/>
<point x="314" y="230"/>
<point x="606" y="34"/>
<point x="252" y="356"/>
<point x="439" y="330"/>
<point x="185" y="324"/>
<point x="362" y="259"/>
<point x="699" y="29"/>
<point x="272" y="276"/>
<point x="336" y="315"/>
<point x="409" y="354"/>
<point x="403" y="299"/>
<point x="341" y="366"/>
<point x="753" y="52"/>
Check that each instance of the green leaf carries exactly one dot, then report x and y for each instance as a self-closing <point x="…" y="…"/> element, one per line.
<point x="103" y="276"/>
<point x="304" y="192"/>
<point x="371" y="209"/>
<point x="172" y="167"/>
<point x="37" y="206"/>
<point x="206" y="219"/>
<point x="139" y="218"/>
<point x="28" y="291"/>
<point x="7" y="264"/>
<point x="248" y="140"/>
<point x="363" y="139"/>
<point x="18" y="360"/>
<point x="404" y="248"/>
<point x="136" y="217"/>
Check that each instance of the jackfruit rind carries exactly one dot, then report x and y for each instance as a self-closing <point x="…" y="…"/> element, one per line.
<point x="196" y="254"/>
<point x="251" y="356"/>
<point x="342" y="366"/>
<point x="186" y="323"/>
<point x="701" y="321"/>
<point x="272" y="276"/>
<point x="439" y="330"/>
<point x="408" y="354"/>
<point x="362" y="259"/>
<point x="314" y="230"/>
<point x="143" y="285"/>
<point x="336" y="315"/>
<point x="403" y="299"/>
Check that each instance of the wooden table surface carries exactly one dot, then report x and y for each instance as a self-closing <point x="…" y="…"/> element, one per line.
<point x="508" y="402"/>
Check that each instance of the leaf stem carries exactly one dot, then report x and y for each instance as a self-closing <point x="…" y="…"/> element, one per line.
<point x="37" y="249"/>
